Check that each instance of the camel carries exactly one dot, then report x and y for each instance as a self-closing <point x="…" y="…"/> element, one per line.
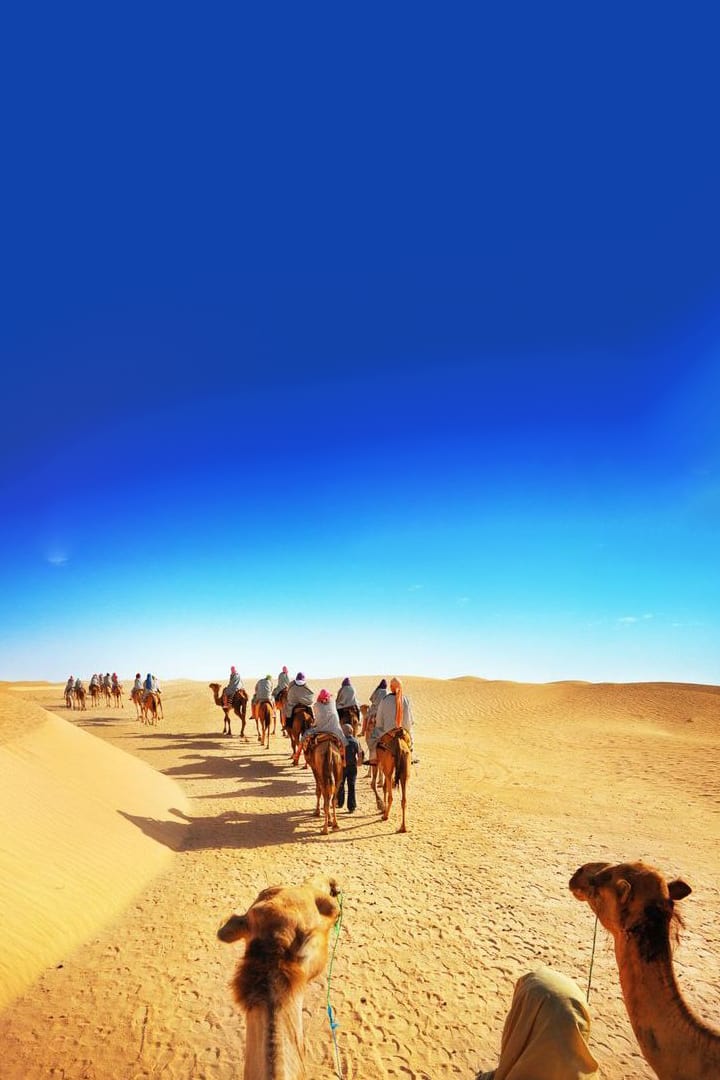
<point x="136" y="696"/>
<point x="69" y="699"/>
<point x="324" y="754"/>
<point x="117" y="695"/>
<point x="280" y="709"/>
<point x="302" y="719"/>
<point x="635" y="903"/>
<point x="393" y="763"/>
<point x="286" y="933"/>
<point x="80" y="698"/>
<point x="350" y="715"/>
<point x="264" y="717"/>
<point x="152" y="707"/>
<point x="238" y="705"/>
<point x="94" y="694"/>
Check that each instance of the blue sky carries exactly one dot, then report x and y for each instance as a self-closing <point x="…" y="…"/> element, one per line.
<point x="362" y="340"/>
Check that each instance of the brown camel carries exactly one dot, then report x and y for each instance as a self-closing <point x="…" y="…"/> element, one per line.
<point x="286" y="934"/>
<point x="635" y="903"/>
<point x="280" y="709"/>
<point x="136" y="696"/>
<point x="69" y="699"/>
<point x="300" y="721"/>
<point x="117" y="696"/>
<point x="80" y="698"/>
<point x="152" y="707"/>
<point x="265" y="716"/>
<point x="393" y="765"/>
<point x="238" y="705"/>
<point x="324" y="754"/>
<point x="350" y="715"/>
<point x="94" y="694"/>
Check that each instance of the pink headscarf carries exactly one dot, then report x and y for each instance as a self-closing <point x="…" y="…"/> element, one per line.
<point x="324" y="696"/>
<point x="397" y="690"/>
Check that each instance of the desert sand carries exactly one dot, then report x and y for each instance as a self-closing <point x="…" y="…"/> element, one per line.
<point x="124" y="847"/>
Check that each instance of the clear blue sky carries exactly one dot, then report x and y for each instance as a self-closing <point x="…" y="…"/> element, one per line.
<point x="362" y="340"/>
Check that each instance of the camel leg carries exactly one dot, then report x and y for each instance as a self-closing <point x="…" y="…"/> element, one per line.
<point x="403" y="804"/>
<point x="326" y="814"/>
<point x="388" y="796"/>
<point x="380" y="803"/>
<point x="333" y="808"/>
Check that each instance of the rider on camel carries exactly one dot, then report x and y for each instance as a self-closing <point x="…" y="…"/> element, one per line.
<point x="232" y="687"/>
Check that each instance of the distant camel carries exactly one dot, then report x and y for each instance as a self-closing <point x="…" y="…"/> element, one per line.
<point x="300" y="721"/>
<point x="264" y="717"/>
<point x="80" y="697"/>
<point x="238" y="706"/>
<point x="350" y="714"/>
<point x="324" y="754"/>
<point x="94" y="694"/>
<point x="286" y="934"/>
<point x="108" y="693"/>
<point x="117" y="696"/>
<point x="152" y="707"/>
<point x="136" y="696"/>
<point x="70" y="699"/>
<point x="635" y="903"/>
<point x="280" y="710"/>
<point x="393" y="764"/>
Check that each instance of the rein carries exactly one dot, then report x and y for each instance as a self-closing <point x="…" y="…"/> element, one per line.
<point x="334" y="1025"/>
<point x="592" y="960"/>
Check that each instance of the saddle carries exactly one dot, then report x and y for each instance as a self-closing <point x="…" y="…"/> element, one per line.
<point x="322" y="737"/>
<point x="389" y="740"/>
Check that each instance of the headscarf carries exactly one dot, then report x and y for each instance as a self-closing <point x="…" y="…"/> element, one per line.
<point x="397" y="690"/>
<point x="382" y="685"/>
<point x="346" y="682"/>
<point x="300" y="679"/>
<point x="546" y="1031"/>
<point x="233" y="670"/>
<point x="285" y="670"/>
<point x="324" y="696"/>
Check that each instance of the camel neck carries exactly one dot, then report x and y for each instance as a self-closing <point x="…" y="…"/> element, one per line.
<point x="673" y="1041"/>
<point x="274" y="1049"/>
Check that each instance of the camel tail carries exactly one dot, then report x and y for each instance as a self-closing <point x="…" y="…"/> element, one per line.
<point x="328" y="774"/>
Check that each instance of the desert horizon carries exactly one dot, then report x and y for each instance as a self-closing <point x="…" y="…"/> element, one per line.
<point x="126" y="846"/>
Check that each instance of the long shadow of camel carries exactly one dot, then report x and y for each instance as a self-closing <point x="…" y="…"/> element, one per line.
<point x="232" y="829"/>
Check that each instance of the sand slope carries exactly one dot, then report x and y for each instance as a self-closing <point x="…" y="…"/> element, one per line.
<point x="70" y="860"/>
<point x="517" y="786"/>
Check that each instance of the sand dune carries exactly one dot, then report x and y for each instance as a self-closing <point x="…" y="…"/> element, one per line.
<point x="517" y="786"/>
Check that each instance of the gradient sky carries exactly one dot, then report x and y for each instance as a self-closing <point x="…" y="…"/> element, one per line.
<point x="361" y="340"/>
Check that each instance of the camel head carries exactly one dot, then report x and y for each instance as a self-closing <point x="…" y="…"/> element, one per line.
<point x="629" y="896"/>
<point x="286" y="934"/>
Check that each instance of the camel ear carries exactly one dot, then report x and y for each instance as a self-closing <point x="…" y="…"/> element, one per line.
<point x="623" y="889"/>
<point x="327" y="905"/>
<point x="234" y="929"/>
<point x="678" y="889"/>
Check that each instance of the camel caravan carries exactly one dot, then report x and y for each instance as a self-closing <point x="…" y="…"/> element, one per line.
<point x="286" y="932"/>
<point x="323" y="731"/>
<point x="107" y="689"/>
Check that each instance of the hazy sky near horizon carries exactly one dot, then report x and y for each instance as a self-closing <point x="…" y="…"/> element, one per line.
<point x="367" y="340"/>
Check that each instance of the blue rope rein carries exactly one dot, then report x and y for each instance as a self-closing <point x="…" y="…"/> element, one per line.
<point x="334" y="1025"/>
